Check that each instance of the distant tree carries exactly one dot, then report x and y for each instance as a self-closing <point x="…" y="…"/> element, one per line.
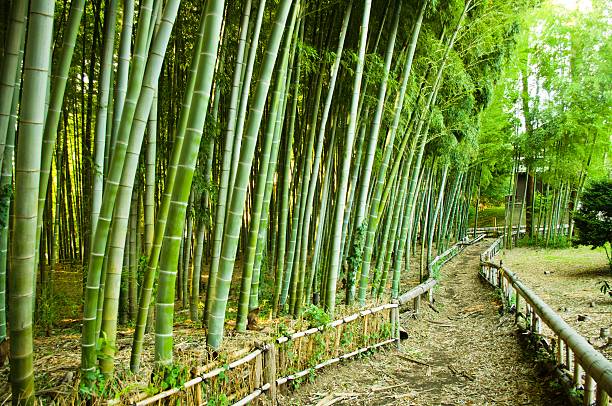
<point x="594" y="218"/>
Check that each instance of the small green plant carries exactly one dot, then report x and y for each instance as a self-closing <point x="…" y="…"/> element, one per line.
<point x="347" y="337"/>
<point x="223" y="374"/>
<point x="385" y="330"/>
<point x="605" y="288"/>
<point x="319" y="348"/>
<point x="355" y="257"/>
<point x="170" y="376"/>
<point x="316" y="316"/>
<point x="93" y="384"/>
<point x="312" y="375"/>
<point x="282" y="330"/>
<point x="218" y="400"/>
<point x="48" y="309"/>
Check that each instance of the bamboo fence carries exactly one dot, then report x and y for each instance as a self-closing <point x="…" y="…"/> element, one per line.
<point x="297" y="357"/>
<point x="581" y="366"/>
<point x="499" y="230"/>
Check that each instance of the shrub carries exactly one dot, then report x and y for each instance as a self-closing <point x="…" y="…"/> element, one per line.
<point x="594" y="218"/>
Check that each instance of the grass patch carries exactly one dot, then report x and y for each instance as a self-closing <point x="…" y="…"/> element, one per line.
<point x="489" y="217"/>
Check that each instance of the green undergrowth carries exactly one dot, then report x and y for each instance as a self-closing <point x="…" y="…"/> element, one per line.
<point x="488" y="217"/>
<point x="560" y="242"/>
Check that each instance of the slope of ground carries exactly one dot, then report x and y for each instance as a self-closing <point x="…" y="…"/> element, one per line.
<point x="463" y="352"/>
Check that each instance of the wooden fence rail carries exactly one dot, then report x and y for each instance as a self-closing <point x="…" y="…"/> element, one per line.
<point x="584" y="366"/>
<point x="295" y="356"/>
<point x="498" y="230"/>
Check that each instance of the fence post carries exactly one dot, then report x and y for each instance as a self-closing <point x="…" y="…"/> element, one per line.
<point x="517" y="306"/>
<point x="589" y="390"/>
<point x="577" y="372"/>
<point x="395" y="322"/>
<point x="270" y="370"/>
<point x="601" y="398"/>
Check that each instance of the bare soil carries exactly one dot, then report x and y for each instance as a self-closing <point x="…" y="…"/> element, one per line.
<point x="462" y="353"/>
<point x="567" y="280"/>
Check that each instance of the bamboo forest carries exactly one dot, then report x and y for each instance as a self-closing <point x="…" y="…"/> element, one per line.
<point x="209" y="202"/>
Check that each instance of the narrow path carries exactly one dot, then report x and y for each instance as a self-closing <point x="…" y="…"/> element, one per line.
<point x="463" y="353"/>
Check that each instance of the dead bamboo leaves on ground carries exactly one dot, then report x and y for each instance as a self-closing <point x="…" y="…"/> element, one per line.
<point x="457" y="356"/>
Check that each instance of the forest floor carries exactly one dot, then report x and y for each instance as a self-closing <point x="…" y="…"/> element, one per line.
<point x="462" y="353"/>
<point x="568" y="281"/>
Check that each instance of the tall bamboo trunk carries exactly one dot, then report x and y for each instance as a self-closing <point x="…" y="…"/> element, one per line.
<point x="213" y="15"/>
<point x="27" y="180"/>
<point x="233" y="223"/>
<point x="330" y="297"/>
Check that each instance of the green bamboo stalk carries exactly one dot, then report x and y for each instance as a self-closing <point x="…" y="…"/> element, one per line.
<point x="10" y="73"/>
<point x="353" y="250"/>
<point x="134" y="255"/>
<point x="283" y="273"/>
<point x="308" y="206"/>
<point x="222" y="199"/>
<point x="275" y="128"/>
<point x="378" y="187"/>
<point x="255" y="221"/>
<point x="383" y="248"/>
<point x="299" y="259"/>
<point x="183" y="179"/>
<point x="149" y="196"/>
<point x="27" y="179"/>
<point x="102" y="115"/>
<point x="396" y="226"/>
<point x="436" y="213"/>
<point x="204" y="220"/>
<point x="364" y="186"/>
<point x="421" y="134"/>
<point x="146" y="288"/>
<point x="325" y="200"/>
<point x="330" y="297"/>
<point x="234" y="218"/>
<point x="54" y="107"/>
<point x="99" y="240"/>
<point x="123" y="66"/>
<point x="187" y="251"/>
<point x="244" y="97"/>
<point x="6" y="191"/>
<point x="141" y="111"/>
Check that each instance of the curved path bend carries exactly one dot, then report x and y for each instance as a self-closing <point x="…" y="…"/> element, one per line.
<point x="460" y="352"/>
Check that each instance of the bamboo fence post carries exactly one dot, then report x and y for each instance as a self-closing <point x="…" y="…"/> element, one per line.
<point x="517" y="309"/>
<point x="567" y="356"/>
<point x="601" y="397"/>
<point x="392" y="320"/>
<point x="270" y="371"/>
<point x="395" y="311"/>
<point x="365" y="329"/>
<point x="198" y="394"/>
<point x="577" y="372"/>
<point x="337" y="342"/>
<point x="589" y="390"/>
<point x="257" y="378"/>
<point x="559" y="350"/>
<point x="417" y="305"/>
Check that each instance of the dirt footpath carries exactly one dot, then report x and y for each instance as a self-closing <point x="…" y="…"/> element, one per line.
<point x="460" y="352"/>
